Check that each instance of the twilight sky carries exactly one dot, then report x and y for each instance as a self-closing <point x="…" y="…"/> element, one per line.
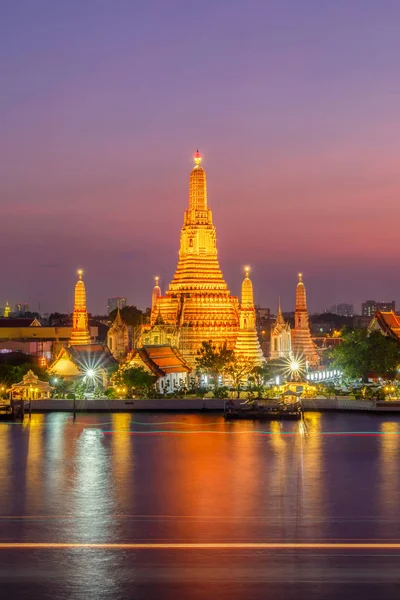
<point x="295" y="106"/>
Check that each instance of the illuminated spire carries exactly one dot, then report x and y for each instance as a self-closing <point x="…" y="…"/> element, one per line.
<point x="7" y="310"/>
<point x="301" y="336"/>
<point x="197" y="158"/>
<point x="279" y="317"/>
<point x="198" y="186"/>
<point x="154" y="297"/>
<point x="80" y="327"/>
<point x="301" y="301"/>
<point x="247" y="290"/>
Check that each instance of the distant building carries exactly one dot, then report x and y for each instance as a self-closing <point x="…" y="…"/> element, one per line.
<point x="21" y="308"/>
<point x="345" y="310"/>
<point x="114" y="303"/>
<point x="370" y="307"/>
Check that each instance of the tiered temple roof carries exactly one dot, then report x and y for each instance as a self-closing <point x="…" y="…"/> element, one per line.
<point x="247" y="342"/>
<point x="80" y="325"/>
<point x="198" y="301"/>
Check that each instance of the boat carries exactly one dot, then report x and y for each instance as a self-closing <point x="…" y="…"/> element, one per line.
<point x="257" y="410"/>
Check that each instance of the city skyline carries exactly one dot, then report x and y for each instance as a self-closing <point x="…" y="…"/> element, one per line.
<point x="102" y="111"/>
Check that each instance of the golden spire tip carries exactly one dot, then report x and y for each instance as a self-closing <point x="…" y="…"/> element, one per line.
<point x="197" y="158"/>
<point x="80" y="273"/>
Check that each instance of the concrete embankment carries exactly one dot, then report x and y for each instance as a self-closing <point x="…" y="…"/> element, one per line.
<point x="200" y="405"/>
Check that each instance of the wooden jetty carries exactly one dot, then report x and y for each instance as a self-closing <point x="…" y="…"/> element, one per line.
<point x="11" y="410"/>
<point x="257" y="410"/>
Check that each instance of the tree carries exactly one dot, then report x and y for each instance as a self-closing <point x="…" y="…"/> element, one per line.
<point x="362" y="354"/>
<point x="130" y="314"/>
<point x="239" y="370"/>
<point x="136" y="379"/>
<point x="214" y="360"/>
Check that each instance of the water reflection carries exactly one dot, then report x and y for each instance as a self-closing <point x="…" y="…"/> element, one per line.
<point x="389" y="470"/>
<point x="122" y="444"/>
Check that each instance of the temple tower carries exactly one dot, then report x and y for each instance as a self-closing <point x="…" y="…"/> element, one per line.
<point x="281" y="339"/>
<point x="118" y="337"/>
<point x="7" y="310"/>
<point x="301" y="336"/>
<point x="198" y="302"/>
<point x="247" y="343"/>
<point x="80" y="327"/>
<point x="154" y="297"/>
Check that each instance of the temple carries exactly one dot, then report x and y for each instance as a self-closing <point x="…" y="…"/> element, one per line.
<point x="80" y="357"/>
<point x="118" y="337"/>
<point x="80" y="325"/>
<point x="302" y="343"/>
<point x="281" y="337"/>
<point x="247" y="343"/>
<point x="387" y="323"/>
<point x="197" y="306"/>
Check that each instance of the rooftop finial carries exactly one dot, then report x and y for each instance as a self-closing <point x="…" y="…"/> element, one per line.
<point x="197" y="158"/>
<point x="156" y="279"/>
<point x="247" y="271"/>
<point x="300" y="277"/>
<point x="80" y="273"/>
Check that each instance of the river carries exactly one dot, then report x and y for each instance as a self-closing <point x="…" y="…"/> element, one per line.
<point x="187" y="506"/>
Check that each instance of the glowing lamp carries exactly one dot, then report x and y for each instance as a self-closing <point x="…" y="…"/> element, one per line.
<point x="90" y="373"/>
<point x="294" y="365"/>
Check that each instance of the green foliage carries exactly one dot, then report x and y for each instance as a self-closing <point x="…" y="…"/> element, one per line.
<point x="362" y="354"/>
<point x="221" y="392"/>
<point x="10" y="374"/>
<point x="62" y="388"/>
<point x="200" y="391"/>
<point x="214" y="360"/>
<point x="110" y="393"/>
<point x="136" y="379"/>
<point x="130" y="314"/>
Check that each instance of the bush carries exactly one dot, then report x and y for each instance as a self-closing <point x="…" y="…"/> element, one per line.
<point x="70" y="396"/>
<point x="221" y="392"/>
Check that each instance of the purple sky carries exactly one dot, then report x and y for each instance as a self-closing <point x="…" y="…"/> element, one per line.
<point x="294" y="105"/>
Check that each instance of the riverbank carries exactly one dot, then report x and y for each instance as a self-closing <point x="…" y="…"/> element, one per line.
<point x="199" y="405"/>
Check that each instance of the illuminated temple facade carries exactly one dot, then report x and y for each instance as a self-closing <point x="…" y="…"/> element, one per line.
<point x="281" y="337"/>
<point x="198" y="306"/>
<point x="302" y="343"/>
<point x="80" y="356"/>
<point x="80" y="324"/>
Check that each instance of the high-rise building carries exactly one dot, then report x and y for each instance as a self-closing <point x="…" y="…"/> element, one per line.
<point x="369" y="308"/>
<point x="301" y="336"/>
<point x="345" y="310"/>
<point x="198" y="306"/>
<point x="114" y="303"/>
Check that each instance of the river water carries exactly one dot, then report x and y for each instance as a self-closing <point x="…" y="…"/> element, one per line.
<point x="174" y="482"/>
